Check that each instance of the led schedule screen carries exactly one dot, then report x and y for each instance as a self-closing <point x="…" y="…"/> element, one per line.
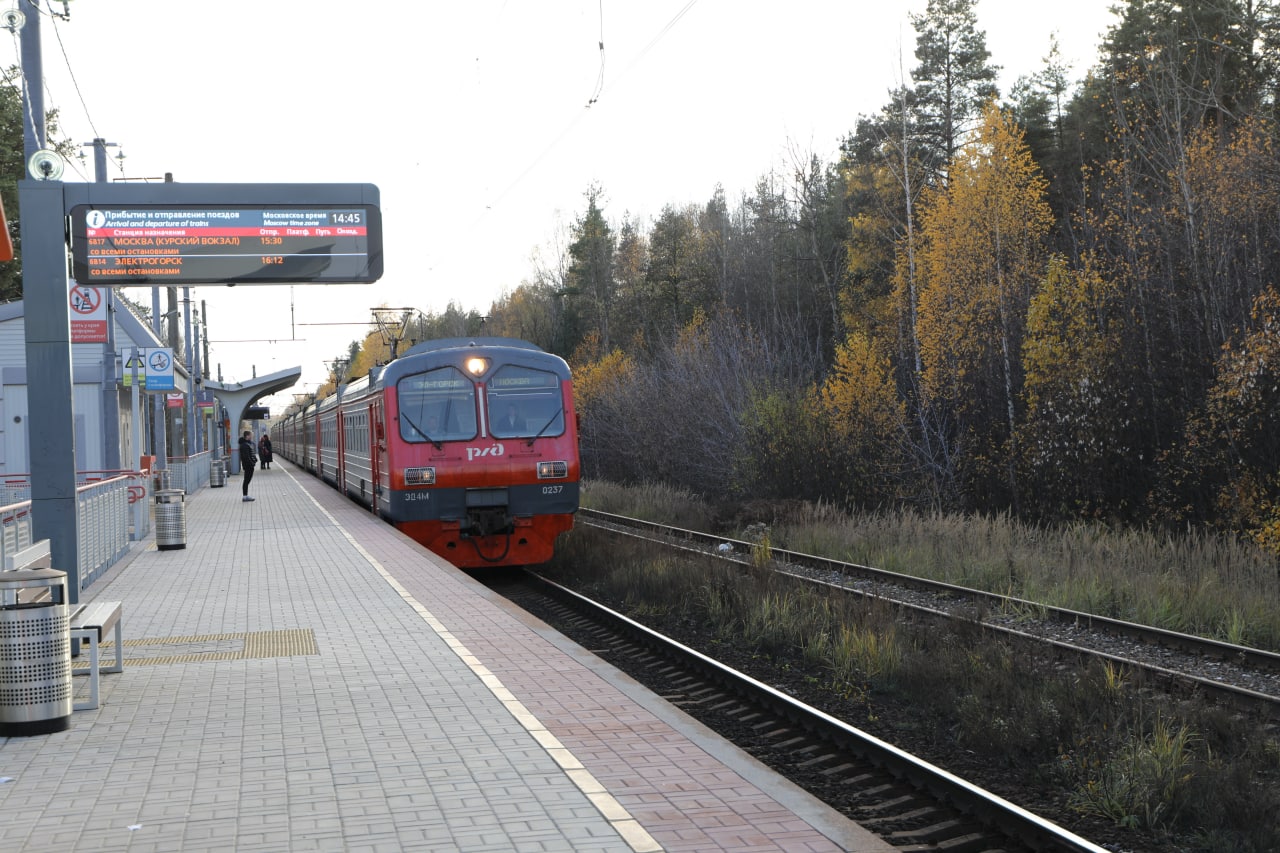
<point x="143" y="245"/>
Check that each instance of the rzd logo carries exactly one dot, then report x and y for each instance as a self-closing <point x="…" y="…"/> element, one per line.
<point x="476" y="452"/>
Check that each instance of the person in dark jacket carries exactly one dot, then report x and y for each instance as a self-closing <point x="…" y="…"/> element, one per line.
<point x="264" y="451"/>
<point x="247" y="462"/>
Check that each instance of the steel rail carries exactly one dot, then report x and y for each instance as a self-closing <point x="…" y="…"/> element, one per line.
<point x="1260" y="659"/>
<point x="1028" y="828"/>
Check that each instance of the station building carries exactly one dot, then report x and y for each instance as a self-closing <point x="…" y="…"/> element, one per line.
<point x="103" y="393"/>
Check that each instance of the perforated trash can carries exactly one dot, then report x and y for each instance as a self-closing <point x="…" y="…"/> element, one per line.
<point x="171" y="519"/>
<point x="217" y="474"/>
<point x="35" y="653"/>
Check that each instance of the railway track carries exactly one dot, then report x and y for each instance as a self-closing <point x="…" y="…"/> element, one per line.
<point x="1245" y="678"/>
<point x="910" y="803"/>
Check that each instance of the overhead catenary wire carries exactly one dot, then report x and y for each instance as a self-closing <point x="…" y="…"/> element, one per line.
<point x="75" y="83"/>
<point x="555" y="143"/>
<point x="595" y="95"/>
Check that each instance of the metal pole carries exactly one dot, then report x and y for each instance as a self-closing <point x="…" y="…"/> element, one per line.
<point x="177" y="438"/>
<point x="33" y="134"/>
<point x="197" y="386"/>
<point x="159" y="437"/>
<point x="136" y="398"/>
<point x="47" y="322"/>
<point x="189" y="401"/>
<point x="110" y="393"/>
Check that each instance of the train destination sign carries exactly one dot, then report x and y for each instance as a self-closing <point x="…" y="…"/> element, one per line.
<point x="116" y="246"/>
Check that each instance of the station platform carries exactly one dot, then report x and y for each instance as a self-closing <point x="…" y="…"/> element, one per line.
<point x="302" y="677"/>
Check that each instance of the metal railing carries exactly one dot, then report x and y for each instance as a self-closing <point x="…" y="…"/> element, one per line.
<point x="189" y="473"/>
<point x="102" y="519"/>
<point x="103" y="522"/>
<point x="113" y="508"/>
<point x="15" y="528"/>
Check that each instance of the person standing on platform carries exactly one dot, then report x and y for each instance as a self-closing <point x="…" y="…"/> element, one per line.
<point x="247" y="461"/>
<point x="264" y="450"/>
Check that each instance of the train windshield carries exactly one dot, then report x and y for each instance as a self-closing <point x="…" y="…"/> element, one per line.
<point x="523" y="402"/>
<point x="439" y="405"/>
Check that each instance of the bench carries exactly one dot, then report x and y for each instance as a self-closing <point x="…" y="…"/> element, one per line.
<point x="34" y="556"/>
<point x="89" y="622"/>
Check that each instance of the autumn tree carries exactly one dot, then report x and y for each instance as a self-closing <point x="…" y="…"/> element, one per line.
<point x="528" y="313"/>
<point x="1227" y="470"/>
<point x="859" y="401"/>
<point x="602" y="389"/>
<point x="1080" y="449"/>
<point x="981" y="256"/>
<point x="676" y="414"/>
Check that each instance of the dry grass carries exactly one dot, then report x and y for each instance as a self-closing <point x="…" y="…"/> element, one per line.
<point x="1199" y="583"/>
<point x="1116" y="750"/>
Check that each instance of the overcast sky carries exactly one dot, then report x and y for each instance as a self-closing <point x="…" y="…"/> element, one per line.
<point x="473" y="120"/>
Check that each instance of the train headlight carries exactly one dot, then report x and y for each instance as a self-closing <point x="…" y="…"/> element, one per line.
<point x="476" y="366"/>
<point x="553" y="470"/>
<point x="419" y="476"/>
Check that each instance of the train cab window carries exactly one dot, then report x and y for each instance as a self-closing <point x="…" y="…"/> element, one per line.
<point x="523" y="402"/>
<point x="439" y="405"/>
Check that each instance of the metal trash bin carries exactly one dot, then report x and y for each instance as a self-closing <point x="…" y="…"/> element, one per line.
<point x="171" y="519"/>
<point x="217" y="474"/>
<point x="35" y="653"/>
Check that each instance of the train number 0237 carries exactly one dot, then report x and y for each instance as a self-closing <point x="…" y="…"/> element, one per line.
<point x="552" y="490"/>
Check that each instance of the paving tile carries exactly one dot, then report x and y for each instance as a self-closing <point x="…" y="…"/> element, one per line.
<point x="390" y="737"/>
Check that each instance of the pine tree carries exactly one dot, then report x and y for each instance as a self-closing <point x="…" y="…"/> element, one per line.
<point x="954" y="78"/>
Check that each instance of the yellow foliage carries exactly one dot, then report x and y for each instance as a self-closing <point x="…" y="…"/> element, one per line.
<point x="1268" y="533"/>
<point x="981" y="254"/>
<point x="1232" y="182"/>
<point x="1241" y="419"/>
<point x="588" y="350"/>
<point x="860" y="397"/>
<point x="601" y="379"/>
<point x="1071" y="331"/>
<point x="373" y="351"/>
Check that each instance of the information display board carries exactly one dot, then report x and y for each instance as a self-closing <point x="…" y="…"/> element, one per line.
<point x="115" y="246"/>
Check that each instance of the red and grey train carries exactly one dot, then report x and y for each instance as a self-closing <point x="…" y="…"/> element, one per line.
<point x="468" y="445"/>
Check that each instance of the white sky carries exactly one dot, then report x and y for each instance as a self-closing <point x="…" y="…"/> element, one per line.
<point x="471" y="118"/>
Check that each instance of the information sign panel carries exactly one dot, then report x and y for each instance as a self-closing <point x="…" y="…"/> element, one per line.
<point x="114" y="246"/>
<point x="159" y="363"/>
<point x="135" y="364"/>
<point x="88" y="314"/>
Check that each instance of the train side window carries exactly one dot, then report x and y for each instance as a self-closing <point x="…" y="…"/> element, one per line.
<point x="438" y="405"/>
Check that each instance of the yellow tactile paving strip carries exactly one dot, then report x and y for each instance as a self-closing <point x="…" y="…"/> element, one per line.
<point x="242" y="645"/>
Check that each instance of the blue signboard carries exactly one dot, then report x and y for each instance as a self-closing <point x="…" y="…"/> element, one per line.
<point x="159" y="364"/>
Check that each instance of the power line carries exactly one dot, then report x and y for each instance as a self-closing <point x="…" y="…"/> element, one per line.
<point x="595" y="95"/>
<point x="578" y="115"/>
